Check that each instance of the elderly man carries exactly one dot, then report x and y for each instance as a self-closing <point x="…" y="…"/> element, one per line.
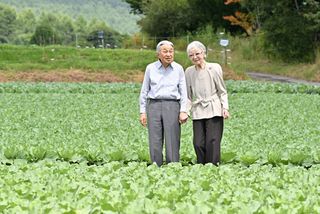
<point x="163" y="101"/>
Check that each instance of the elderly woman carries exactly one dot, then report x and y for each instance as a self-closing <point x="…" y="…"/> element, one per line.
<point x="208" y="104"/>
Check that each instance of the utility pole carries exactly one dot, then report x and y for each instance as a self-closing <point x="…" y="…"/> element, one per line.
<point x="76" y="40"/>
<point x="224" y="43"/>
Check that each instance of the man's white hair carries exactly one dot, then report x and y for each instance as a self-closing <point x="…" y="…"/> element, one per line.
<point x="163" y="42"/>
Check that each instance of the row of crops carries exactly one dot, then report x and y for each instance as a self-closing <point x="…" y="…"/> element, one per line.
<point x="79" y="148"/>
<point x="92" y="88"/>
<point x="100" y="124"/>
<point x="58" y="187"/>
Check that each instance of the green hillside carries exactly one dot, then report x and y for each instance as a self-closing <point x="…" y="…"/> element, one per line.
<point x="114" y="12"/>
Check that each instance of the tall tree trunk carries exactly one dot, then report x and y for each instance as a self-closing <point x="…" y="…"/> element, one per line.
<point x="297" y="5"/>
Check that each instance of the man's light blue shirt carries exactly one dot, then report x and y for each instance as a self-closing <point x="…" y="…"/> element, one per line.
<point x="164" y="83"/>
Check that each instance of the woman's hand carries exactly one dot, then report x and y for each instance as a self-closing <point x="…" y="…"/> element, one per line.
<point x="225" y="114"/>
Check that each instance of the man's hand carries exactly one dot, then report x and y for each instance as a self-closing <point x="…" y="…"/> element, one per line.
<point x="183" y="117"/>
<point x="143" y="119"/>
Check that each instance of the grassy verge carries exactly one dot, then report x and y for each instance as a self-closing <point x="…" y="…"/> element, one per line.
<point x="247" y="55"/>
<point x="33" y="63"/>
<point x="244" y="55"/>
<point x="22" y="58"/>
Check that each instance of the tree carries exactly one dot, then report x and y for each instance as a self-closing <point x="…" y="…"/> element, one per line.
<point x="137" y="6"/>
<point x="49" y="26"/>
<point x="26" y="25"/>
<point x="60" y="27"/>
<point x="81" y="31"/>
<point x="289" y="35"/>
<point x="254" y="10"/>
<point x="241" y="18"/>
<point x="65" y="30"/>
<point x="7" y="23"/>
<point x="170" y="18"/>
<point x="44" y="35"/>
<point x="311" y="11"/>
<point x="103" y="36"/>
<point x="163" y="21"/>
<point x="211" y="12"/>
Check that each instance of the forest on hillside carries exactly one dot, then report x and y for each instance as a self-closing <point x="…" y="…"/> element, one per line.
<point x="276" y="30"/>
<point x="277" y="23"/>
<point x="115" y="13"/>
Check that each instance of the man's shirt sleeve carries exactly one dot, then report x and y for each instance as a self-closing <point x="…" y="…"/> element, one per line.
<point x="145" y="90"/>
<point x="183" y="91"/>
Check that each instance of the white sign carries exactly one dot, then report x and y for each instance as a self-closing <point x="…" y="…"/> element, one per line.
<point x="224" y="42"/>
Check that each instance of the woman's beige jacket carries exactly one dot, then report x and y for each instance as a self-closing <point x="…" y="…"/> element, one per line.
<point x="207" y="92"/>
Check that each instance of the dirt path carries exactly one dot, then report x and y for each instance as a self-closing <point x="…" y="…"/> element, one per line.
<point x="277" y="78"/>
<point x="103" y="77"/>
<point x="75" y="75"/>
<point x="69" y="76"/>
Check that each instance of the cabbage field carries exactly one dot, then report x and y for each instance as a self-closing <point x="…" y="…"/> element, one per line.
<point x="79" y="148"/>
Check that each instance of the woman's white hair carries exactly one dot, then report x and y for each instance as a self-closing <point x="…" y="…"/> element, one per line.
<point x="198" y="45"/>
<point x="163" y="42"/>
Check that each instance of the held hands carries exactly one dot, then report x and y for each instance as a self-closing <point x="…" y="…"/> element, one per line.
<point x="183" y="117"/>
<point x="143" y="119"/>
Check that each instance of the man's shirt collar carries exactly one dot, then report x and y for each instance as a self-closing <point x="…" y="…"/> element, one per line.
<point x="159" y="64"/>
